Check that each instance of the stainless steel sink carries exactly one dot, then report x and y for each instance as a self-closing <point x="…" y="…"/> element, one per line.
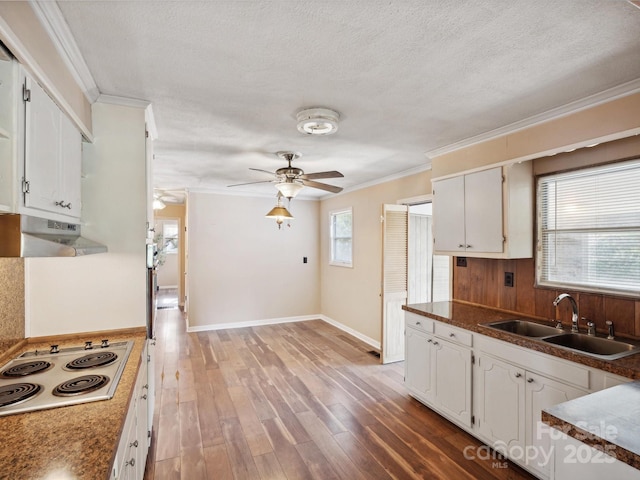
<point x="524" y="328"/>
<point x="577" y="342"/>
<point x="596" y="346"/>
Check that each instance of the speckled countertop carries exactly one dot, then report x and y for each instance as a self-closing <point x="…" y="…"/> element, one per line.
<point x="617" y="407"/>
<point x="74" y="442"/>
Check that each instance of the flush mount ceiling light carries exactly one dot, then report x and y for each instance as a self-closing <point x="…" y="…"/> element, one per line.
<point x="317" y="121"/>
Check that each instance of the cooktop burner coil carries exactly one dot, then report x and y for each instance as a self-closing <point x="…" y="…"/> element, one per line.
<point x="92" y="360"/>
<point x="27" y="368"/>
<point x="17" y="392"/>
<point x="80" y="385"/>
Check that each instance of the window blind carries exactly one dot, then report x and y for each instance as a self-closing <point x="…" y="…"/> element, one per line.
<point x="589" y="229"/>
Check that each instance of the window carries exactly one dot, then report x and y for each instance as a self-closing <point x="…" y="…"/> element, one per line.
<point x="589" y="229"/>
<point x="342" y="238"/>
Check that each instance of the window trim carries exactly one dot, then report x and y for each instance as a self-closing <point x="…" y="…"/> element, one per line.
<point x="332" y="214"/>
<point x="538" y="253"/>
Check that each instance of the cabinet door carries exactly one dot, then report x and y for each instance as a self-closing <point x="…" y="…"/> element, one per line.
<point x="541" y="393"/>
<point x="53" y="156"/>
<point x="71" y="167"/>
<point x="42" y="149"/>
<point x="501" y="402"/>
<point x="483" y="211"/>
<point x="448" y="215"/>
<point x="418" y="365"/>
<point x="453" y="379"/>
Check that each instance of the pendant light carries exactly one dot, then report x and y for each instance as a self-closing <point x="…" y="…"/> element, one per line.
<point x="279" y="212"/>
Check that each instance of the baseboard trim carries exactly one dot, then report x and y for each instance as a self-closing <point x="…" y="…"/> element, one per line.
<point x="273" y="321"/>
<point x="368" y="340"/>
<point x="251" y="323"/>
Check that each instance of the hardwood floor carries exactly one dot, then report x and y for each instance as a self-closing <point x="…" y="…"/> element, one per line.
<point x="295" y="401"/>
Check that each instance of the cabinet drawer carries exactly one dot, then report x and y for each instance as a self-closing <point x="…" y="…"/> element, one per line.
<point x="419" y="322"/>
<point x="454" y="334"/>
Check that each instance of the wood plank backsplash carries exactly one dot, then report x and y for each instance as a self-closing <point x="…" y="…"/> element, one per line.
<point x="482" y="282"/>
<point x="11" y="302"/>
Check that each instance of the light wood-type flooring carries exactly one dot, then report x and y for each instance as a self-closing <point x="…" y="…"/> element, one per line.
<point x="295" y="401"/>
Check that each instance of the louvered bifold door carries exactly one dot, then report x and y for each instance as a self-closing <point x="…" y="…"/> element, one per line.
<point x="394" y="281"/>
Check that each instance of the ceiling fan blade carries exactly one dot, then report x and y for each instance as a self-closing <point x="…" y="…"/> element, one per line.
<point x="321" y="186"/>
<point x="312" y="176"/>
<point x="260" y="170"/>
<point x="250" y="183"/>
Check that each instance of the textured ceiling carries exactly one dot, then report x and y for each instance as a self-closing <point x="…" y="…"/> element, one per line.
<point x="226" y="78"/>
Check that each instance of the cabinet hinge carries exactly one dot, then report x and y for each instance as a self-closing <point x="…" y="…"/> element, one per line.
<point x="473" y="419"/>
<point x="146" y="134"/>
<point x="26" y="93"/>
<point x="148" y="358"/>
<point x="25" y="186"/>
<point x="473" y="359"/>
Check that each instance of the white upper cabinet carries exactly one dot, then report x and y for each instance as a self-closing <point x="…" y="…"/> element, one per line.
<point x="485" y="214"/>
<point x="52" y="156"/>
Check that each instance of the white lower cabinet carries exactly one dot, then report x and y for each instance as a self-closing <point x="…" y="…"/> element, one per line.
<point x="500" y="402"/>
<point x="131" y="456"/>
<point x="493" y="389"/>
<point x="438" y="373"/>
<point x="541" y="393"/>
<point x="510" y="401"/>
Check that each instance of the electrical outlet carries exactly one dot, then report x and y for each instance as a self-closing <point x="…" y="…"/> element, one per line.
<point x="508" y="279"/>
<point x="461" y="261"/>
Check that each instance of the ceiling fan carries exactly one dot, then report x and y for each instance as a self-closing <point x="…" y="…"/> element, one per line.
<point x="290" y="180"/>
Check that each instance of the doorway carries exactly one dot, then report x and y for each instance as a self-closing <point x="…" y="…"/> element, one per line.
<point x="168" y="269"/>
<point x="428" y="277"/>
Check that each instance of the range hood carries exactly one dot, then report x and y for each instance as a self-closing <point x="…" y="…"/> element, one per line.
<point x="27" y="236"/>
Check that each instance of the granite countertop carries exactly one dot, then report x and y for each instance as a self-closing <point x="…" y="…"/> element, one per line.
<point x="617" y="408"/>
<point x="74" y="442"/>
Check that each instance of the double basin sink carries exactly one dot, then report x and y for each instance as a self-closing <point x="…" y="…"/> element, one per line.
<point x="599" y="347"/>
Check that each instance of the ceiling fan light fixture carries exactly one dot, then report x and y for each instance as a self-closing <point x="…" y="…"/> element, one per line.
<point x="289" y="189"/>
<point x="158" y="204"/>
<point x="317" y="121"/>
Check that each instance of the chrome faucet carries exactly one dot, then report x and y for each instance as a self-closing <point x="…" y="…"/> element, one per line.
<point x="574" y="310"/>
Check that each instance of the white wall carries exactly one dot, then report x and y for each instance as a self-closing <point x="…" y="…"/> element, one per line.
<point x="168" y="272"/>
<point x="241" y="268"/>
<point x="104" y="291"/>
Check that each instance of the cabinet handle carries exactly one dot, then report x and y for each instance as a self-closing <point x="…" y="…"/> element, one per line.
<point x="418" y="323"/>
<point x="429" y="341"/>
<point x="529" y="380"/>
<point x="436" y="343"/>
<point x="452" y="335"/>
<point x="61" y="204"/>
<point x="134" y="444"/>
<point x="518" y="375"/>
<point x="144" y="397"/>
<point x="131" y="462"/>
<point x="468" y="246"/>
<point x="461" y="246"/>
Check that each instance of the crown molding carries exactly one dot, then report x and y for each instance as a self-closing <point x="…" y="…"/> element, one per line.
<point x="26" y="60"/>
<point x="388" y="178"/>
<point x="591" y="101"/>
<point x="56" y="27"/>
